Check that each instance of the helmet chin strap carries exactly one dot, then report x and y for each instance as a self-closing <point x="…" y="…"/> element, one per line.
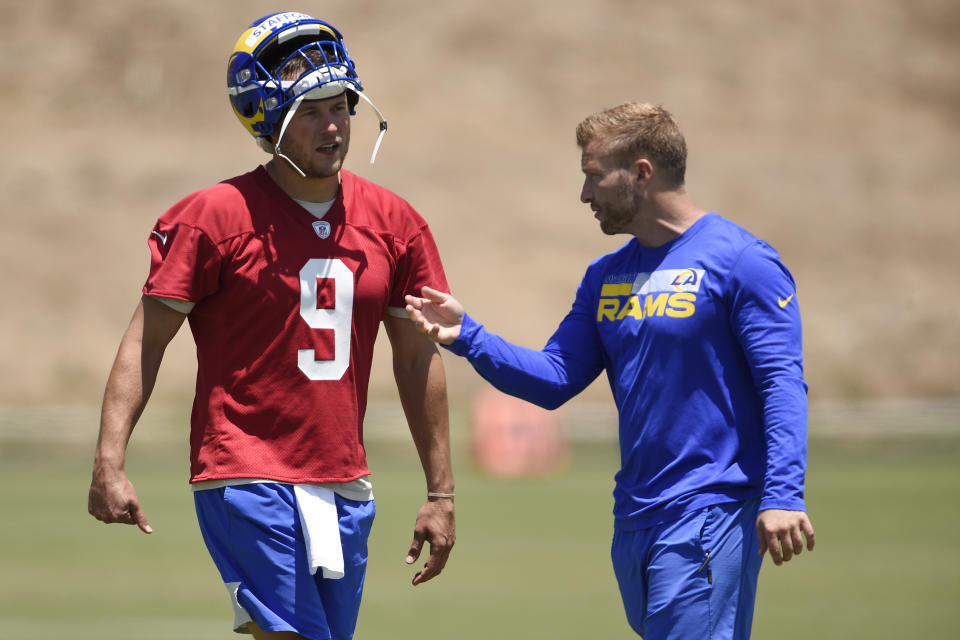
<point x="293" y="110"/>
<point x="283" y="128"/>
<point x="383" y="125"/>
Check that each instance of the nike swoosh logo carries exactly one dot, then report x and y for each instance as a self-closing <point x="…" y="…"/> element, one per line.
<point x="782" y="302"/>
<point x="163" y="239"/>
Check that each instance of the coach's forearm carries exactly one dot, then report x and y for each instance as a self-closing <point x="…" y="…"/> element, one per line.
<point x="546" y="378"/>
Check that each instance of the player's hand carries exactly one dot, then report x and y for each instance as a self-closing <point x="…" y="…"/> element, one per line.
<point x="113" y="499"/>
<point x="435" y="525"/>
<point x="779" y="531"/>
<point x="437" y="314"/>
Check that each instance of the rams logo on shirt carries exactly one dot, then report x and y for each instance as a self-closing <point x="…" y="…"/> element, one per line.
<point x="668" y="292"/>
<point x="687" y="277"/>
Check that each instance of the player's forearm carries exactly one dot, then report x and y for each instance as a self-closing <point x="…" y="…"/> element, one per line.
<point x="422" y="387"/>
<point x="129" y="385"/>
<point x="128" y="389"/>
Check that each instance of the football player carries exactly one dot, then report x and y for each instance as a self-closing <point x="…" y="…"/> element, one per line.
<point x="285" y="274"/>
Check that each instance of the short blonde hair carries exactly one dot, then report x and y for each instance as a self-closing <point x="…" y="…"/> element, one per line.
<point x="634" y="130"/>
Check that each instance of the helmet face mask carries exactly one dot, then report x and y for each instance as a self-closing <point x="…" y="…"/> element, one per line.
<point x="259" y="96"/>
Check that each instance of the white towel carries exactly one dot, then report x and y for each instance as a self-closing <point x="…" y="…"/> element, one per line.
<point x="321" y="529"/>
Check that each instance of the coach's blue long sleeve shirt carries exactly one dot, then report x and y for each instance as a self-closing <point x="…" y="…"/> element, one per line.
<point x="701" y="342"/>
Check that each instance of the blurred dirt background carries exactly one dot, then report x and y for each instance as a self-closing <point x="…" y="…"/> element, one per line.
<point x="829" y="128"/>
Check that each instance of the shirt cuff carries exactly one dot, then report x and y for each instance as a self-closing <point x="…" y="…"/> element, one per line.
<point x="468" y="331"/>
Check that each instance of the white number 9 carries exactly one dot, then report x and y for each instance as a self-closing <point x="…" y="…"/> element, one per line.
<point x="339" y="318"/>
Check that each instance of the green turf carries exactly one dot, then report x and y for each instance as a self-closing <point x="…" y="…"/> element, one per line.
<point x="531" y="559"/>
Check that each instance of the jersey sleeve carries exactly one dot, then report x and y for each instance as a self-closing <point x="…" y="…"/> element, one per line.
<point x="184" y="262"/>
<point x="766" y="318"/>
<point x="571" y="359"/>
<point x="418" y="266"/>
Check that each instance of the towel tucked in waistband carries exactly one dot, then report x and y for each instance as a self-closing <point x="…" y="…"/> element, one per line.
<point x="321" y="529"/>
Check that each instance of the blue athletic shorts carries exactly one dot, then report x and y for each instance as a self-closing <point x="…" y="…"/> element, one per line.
<point x="695" y="577"/>
<point x="254" y="536"/>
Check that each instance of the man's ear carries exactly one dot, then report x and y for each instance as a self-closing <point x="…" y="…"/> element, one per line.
<point x="643" y="170"/>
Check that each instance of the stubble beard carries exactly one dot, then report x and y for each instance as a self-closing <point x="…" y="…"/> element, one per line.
<point x="326" y="168"/>
<point x="315" y="169"/>
<point x="620" y="213"/>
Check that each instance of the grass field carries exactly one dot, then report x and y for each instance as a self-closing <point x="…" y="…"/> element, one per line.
<point x="531" y="559"/>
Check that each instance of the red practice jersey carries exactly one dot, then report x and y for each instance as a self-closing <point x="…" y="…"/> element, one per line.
<point x="288" y="309"/>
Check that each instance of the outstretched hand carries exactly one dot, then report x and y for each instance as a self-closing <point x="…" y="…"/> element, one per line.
<point x="437" y="314"/>
<point x="779" y="531"/>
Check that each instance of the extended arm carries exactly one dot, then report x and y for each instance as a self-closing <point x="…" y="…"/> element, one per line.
<point x="112" y="497"/>
<point x="421" y="383"/>
<point x="571" y="359"/>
